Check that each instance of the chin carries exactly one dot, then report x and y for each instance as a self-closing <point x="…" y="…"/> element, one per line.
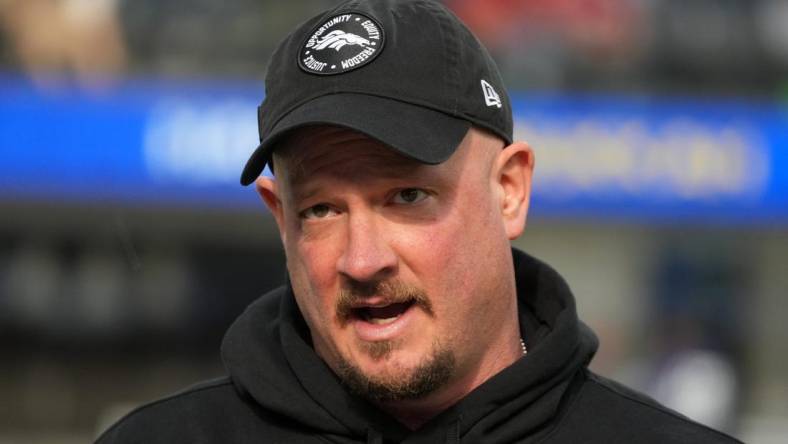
<point x="395" y="376"/>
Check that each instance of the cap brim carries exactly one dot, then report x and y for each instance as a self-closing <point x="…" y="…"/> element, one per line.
<point x="420" y="133"/>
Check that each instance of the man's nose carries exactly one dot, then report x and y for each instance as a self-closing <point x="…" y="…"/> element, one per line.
<point x="367" y="254"/>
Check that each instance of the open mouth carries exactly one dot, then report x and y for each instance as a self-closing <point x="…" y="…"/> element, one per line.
<point x="382" y="315"/>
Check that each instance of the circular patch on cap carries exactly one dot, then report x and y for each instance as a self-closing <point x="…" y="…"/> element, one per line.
<point x="340" y="44"/>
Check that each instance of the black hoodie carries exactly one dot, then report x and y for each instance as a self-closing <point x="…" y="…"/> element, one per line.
<point x="279" y="391"/>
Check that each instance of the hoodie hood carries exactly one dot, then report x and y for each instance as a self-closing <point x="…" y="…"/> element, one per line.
<point x="269" y="357"/>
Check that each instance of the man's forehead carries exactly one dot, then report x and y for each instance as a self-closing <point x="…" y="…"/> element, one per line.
<point x="311" y="149"/>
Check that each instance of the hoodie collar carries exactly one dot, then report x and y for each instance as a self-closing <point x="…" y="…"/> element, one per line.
<point x="269" y="356"/>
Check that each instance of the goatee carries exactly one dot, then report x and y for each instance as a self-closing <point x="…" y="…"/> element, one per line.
<point x="433" y="373"/>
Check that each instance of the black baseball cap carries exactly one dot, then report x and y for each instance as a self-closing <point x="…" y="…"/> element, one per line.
<point x="408" y="73"/>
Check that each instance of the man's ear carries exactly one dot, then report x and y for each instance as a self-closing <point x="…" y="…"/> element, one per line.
<point x="269" y="191"/>
<point x="514" y="171"/>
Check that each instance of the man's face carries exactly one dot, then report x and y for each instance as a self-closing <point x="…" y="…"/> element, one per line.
<point x="402" y="270"/>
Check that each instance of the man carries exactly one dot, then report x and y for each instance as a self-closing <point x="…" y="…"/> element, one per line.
<point x="406" y="317"/>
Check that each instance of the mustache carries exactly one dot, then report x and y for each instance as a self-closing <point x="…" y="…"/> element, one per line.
<point x="393" y="292"/>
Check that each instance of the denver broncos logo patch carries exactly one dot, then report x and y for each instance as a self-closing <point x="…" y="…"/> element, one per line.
<point x="338" y="38"/>
<point x="355" y="39"/>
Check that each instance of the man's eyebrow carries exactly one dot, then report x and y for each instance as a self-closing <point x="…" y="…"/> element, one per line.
<point x="301" y="193"/>
<point x="301" y="188"/>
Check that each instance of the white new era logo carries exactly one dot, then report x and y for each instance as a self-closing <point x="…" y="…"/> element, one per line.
<point x="491" y="98"/>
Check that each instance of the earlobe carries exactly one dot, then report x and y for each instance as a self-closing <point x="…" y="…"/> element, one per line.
<point x="515" y="170"/>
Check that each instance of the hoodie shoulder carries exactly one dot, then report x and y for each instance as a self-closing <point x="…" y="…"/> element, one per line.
<point x="201" y="413"/>
<point x="605" y="411"/>
<point x="210" y="412"/>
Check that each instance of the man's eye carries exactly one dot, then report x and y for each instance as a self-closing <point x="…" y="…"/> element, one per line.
<point x="318" y="211"/>
<point x="409" y="196"/>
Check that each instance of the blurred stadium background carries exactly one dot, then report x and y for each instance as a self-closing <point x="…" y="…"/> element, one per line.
<point x="127" y="245"/>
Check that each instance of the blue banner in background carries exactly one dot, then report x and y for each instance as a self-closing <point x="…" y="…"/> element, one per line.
<point x="169" y="143"/>
<point x="657" y="159"/>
